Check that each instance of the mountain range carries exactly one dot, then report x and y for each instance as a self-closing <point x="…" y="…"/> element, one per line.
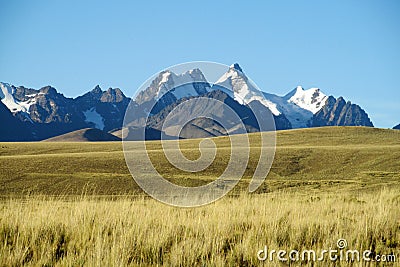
<point x="36" y="114"/>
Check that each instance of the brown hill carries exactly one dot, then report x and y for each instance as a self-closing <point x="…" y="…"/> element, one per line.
<point x="84" y="135"/>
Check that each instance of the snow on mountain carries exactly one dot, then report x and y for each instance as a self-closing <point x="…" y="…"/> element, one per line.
<point x="298" y="106"/>
<point x="6" y="95"/>
<point x="91" y="116"/>
<point x="312" y="99"/>
<point x="51" y="113"/>
<point x="180" y="85"/>
<point x="297" y="116"/>
<point x="243" y="89"/>
<point x="171" y="87"/>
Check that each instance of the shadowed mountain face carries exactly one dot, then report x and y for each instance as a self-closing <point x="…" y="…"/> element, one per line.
<point x="338" y="112"/>
<point x="208" y="127"/>
<point x="12" y="129"/>
<point x="397" y="127"/>
<point x="41" y="114"/>
<point x="102" y="109"/>
<point x="45" y="113"/>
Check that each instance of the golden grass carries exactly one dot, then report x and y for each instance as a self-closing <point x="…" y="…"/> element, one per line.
<point x="75" y="204"/>
<point x="229" y="232"/>
<point x="330" y="158"/>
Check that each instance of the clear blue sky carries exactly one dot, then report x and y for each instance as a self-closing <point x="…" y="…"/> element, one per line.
<point x="346" y="48"/>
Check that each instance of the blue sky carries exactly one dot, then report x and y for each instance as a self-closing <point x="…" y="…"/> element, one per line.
<point x="346" y="48"/>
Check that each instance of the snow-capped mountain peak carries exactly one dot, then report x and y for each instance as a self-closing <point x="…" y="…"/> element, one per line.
<point x="236" y="66"/>
<point x="164" y="77"/>
<point x="298" y="106"/>
<point x="6" y="95"/>
<point x="243" y="90"/>
<point x="312" y="99"/>
<point x="187" y="84"/>
<point x="181" y="85"/>
<point x="197" y="75"/>
<point x="51" y="113"/>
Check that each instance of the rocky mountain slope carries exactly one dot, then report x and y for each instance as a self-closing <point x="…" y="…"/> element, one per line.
<point x="45" y="113"/>
<point x="37" y="114"/>
<point x="338" y="112"/>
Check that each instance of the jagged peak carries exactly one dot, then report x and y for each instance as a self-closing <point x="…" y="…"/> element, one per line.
<point x="111" y="90"/>
<point x="114" y="91"/>
<point x="195" y="70"/>
<point x="197" y="75"/>
<point x="331" y="97"/>
<point x="5" y="84"/>
<point x="236" y="66"/>
<point x="341" y="99"/>
<point x="97" y="89"/>
<point x="119" y="91"/>
<point x="48" y="90"/>
<point x="298" y="88"/>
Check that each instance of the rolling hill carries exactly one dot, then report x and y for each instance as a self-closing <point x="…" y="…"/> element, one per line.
<point x="328" y="158"/>
<point x="84" y="135"/>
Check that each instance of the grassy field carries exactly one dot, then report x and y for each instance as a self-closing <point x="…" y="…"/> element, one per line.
<point x="74" y="204"/>
<point x="230" y="232"/>
<point x="328" y="159"/>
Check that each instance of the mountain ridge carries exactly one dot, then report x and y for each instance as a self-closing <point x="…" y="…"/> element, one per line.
<point x="43" y="113"/>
